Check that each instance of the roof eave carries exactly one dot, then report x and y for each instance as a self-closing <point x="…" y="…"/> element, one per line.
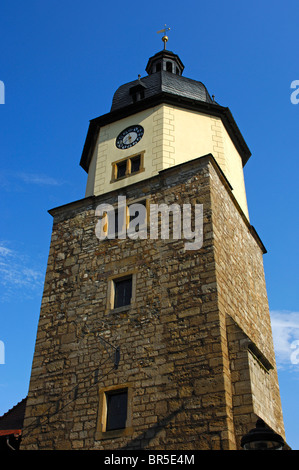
<point x="213" y="109"/>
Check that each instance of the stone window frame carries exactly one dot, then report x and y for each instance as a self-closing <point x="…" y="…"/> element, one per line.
<point x="127" y="160"/>
<point x="111" y="291"/>
<point x="101" y="432"/>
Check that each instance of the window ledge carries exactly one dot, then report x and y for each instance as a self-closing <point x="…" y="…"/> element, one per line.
<point x="115" y="180"/>
<point x="113" y="434"/>
<point x="124" y="308"/>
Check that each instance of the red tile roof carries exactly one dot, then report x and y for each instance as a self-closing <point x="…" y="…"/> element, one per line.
<point x="7" y="432"/>
<point x="12" y="421"/>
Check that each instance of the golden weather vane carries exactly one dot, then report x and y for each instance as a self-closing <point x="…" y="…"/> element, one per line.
<point x="164" y="38"/>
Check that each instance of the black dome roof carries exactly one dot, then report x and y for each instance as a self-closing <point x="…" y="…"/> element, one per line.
<point x="163" y="84"/>
<point x="164" y="69"/>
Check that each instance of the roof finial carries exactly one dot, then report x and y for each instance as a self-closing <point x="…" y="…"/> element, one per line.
<point x="164" y="38"/>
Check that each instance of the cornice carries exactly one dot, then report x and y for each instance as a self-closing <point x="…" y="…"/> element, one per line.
<point x="212" y="109"/>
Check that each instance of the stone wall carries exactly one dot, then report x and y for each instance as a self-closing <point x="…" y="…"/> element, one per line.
<point x="244" y="313"/>
<point x="175" y="353"/>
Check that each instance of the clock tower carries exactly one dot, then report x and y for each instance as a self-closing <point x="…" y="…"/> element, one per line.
<point x="177" y="121"/>
<point x="143" y="343"/>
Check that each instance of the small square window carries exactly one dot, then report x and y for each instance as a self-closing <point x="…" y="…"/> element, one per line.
<point x="121" y="169"/>
<point x="122" y="292"/>
<point x="117" y="403"/>
<point x="115" y="412"/>
<point x="127" y="167"/>
<point x="135" y="164"/>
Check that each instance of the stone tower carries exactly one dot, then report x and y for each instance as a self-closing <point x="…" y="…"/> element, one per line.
<point x="142" y="342"/>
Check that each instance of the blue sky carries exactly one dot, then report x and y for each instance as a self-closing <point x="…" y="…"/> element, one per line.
<point x="61" y="62"/>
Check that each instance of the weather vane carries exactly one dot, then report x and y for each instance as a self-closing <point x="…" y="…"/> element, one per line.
<point x="164" y="38"/>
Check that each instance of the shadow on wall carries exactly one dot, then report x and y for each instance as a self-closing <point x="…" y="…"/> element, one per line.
<point x="144" y="438"/>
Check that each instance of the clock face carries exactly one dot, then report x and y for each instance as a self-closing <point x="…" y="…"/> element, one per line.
<point x="129" y="137"/>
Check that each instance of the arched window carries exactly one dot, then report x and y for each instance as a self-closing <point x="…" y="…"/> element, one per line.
<point x="158" y="67"/>
<point x="169" y="66"/>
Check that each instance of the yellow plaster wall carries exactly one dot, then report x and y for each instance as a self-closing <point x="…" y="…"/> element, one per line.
<point x="106" y="152"/>
<point x="171" y="136"/>
<point x="198" y="134"/>
<point x="234" y="171"/>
